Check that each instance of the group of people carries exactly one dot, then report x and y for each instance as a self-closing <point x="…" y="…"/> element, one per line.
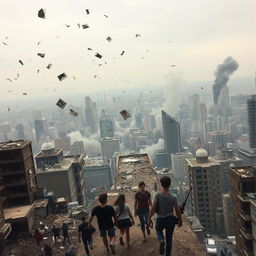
<point x="164" y="204"/>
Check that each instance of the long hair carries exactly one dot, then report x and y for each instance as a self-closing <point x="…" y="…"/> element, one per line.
<point x="120" y="201"/>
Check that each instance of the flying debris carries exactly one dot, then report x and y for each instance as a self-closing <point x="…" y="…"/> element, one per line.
<point x="79" y="26"/>
<point x="38" y="71"/>
<point x="173" y="66"/>
<point x="20" y="61"/>
<point x="98" y="55"/>
<point x="67" y="25"/>
<point x="74" y="77"/>
<point x="9" y="79"/>
<point x="105" y="15"/>
<point x="95" y="76"/>
<point x="9" y="109"/>
<point x="57" y="37"/>
<point x="73" y="112"/>
<point x="49" y="66"/>
<point x="84" y="26"/>
<point x="137" y="35"/>
<point x="39" y="42"/>
<point x="61" y="103"/>
<point x="62" y="76"/>
<point x="89" y="49"/>
<point x="109" y="39"/>
<point x="105" y="62"/>
<point x="41" y="13"/>
<point x="87" y="11"/>
<point x="17" y="76"/>
<point x="9" y="91"/>
<point x="24" y="93"/>
<point x="202" y="87"/>
<point x="122" y="53"/>
<point x="41" y="55"/>
<point x="4" y="43"/>
<point x="125" y="114"/>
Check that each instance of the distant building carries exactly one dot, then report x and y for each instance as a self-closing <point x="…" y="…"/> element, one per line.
<point x="219" y="139"/>
<point x="39" y="130"/>
<point x="97" y="173"/>
<point x="179" y="166"/>
<point x="62" y="175"/>
<point x="77" y="148"/>
<point x="91" y="117"/>
<point x="106" y="125"/>
<point x="226" y="158"/>
<point x="63" y="143"/>
<point x="162" y="159"/>
<point x="20" y="131"/>
<point x="109" y="146"/>
<point x="194" y="107"/>
<point x="206" y="196"/>
<point x="248" y="156"/>
<point x="238" y="100"/>
<point x="139" y="120"/>
<point x="171" y="132"/>
<point x="251" y="108"/>
<point x="243" y="182"/>
<point x="228" y="214"/>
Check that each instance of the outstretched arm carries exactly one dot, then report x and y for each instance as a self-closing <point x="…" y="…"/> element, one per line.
<point x="178" y="213"/>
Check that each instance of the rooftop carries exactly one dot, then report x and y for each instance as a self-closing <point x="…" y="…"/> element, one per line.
<point x="55" y="152"/>
<point x="17" y="212"/>
<point x="94" y="161"/>
<point x="194" y="163"/>
<point x="245" y="171"/>
<point x="5" y="146"/>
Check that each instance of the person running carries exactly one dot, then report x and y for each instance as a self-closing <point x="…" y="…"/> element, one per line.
<point x="65" y="233"/>
<point x="163" y="204"/>
<point x="124" y="219"/>
<point x="106" y="217"/>
<point x="141" y="208"/>
<point x="56" y="233"/>
<point x="85" y="231"/>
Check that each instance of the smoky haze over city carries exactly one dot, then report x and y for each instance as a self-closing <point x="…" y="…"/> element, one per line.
<point x="97" y="96"/>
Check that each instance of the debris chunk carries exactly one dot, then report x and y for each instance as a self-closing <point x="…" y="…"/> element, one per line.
<point x="173" y="65"/>
<point x="38" y="71"/>
<point x="24" y="93"/>
<point x="9" y="109"/>
<point x="87" y="11"/>
<point x="41" y="55"/>
<point x="39" y="42"/>
<point x="74" y="77"/>
<point x="98" y="55"/>
<point x="20" y="61"/>
<point x="4" y="43"/>
<point x="61" y="103"/>
<point x="137" y="35"/>
<point x="89" y="49"/>
<point x="9" y="79"/>
<point x="49" y="66"/>
<point x="78" y="25"/>
<point x="67" y="25"/>
<point x="202" y="87"/>
<point x="73" y="112"/>
<point x="62" y="76"/>
<point x="85" y="26"/>
<point x="105" y="15"/>
<point x="125" y="114"/>
<point x="17" y="76"/>
<point x="41" y="13"/>
<point x="122" y="53"/>
<point x="109" y="39"/>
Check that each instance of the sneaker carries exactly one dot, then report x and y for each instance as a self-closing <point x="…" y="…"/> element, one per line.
<point x="148" y="230"/>
<point x="121" y="240"/>
<point x="161" y="248"/>
<point x="112" y="248"/>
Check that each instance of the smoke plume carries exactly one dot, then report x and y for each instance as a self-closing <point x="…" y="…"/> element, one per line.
<point x="222" y="75"/>
<point x="151" y="150"/>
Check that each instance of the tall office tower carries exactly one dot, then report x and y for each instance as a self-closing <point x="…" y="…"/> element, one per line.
<point x="171" y="132"/>
<point x="239" y="100"/>
<point x="17" y="173"/>
<point x="243" y="188"/>
<point x="20" y="131"/>
<point x="45" y="126"/>
<point x="109" y="146"/>
<point x="39" y="130"/>
<point x="228" y="214"/>
<point x="251" y="107"/>
<point x="62" y="175"/>
<point x="106" y="125"/>
<point x="179" y="165"/>
<point x="149" y="122"/>
<point x="77" y="148"/>
<point x="219" y="139"/>
<point x="223" y="100"/>
<point x="139" y="120"/>
<point x="91" y="114"/>
<point x="226" y="158"/>
<point x="203" y="112"/>
<point x="206" y="197"/>
<point x="194" y="107"/>
<point x="37" y="115"/>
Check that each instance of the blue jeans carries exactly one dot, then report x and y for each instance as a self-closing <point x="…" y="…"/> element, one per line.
<point x="167" y="224"/>
<point x="143" y="214"/>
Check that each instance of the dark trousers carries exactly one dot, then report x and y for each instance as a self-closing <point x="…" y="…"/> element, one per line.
<point x="66" y="237"/>
<point x="86" y="246"/>
<point x="167" y="224"/>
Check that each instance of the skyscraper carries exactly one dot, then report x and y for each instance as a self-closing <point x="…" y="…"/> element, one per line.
<point x="251" y="107"/>
<point x="171" y="132"/>
<point x="109" y="146"/>
<point x="39" y="130"/>
<point x="20" y="131"/>
<point x="91" y="114"/>
<point x="194" y="107"/>
<point x="106" y="125"/>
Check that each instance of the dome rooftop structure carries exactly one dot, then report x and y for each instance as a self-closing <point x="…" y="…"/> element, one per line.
<point x="201" y="153"/>
<point x="47" y="146"/>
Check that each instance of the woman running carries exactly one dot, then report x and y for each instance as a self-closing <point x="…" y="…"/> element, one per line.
<point x="124" y="219"/>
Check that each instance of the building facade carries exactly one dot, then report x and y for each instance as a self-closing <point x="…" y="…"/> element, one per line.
<point x="109" y="146"/>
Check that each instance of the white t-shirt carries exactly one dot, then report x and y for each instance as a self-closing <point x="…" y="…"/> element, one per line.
<point x="125" y="213"/>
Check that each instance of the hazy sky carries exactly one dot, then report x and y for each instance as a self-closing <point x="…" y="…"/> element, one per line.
<point x="195" y="35"/>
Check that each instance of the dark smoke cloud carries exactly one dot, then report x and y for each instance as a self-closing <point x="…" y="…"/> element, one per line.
<point x="222" y="74"/>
